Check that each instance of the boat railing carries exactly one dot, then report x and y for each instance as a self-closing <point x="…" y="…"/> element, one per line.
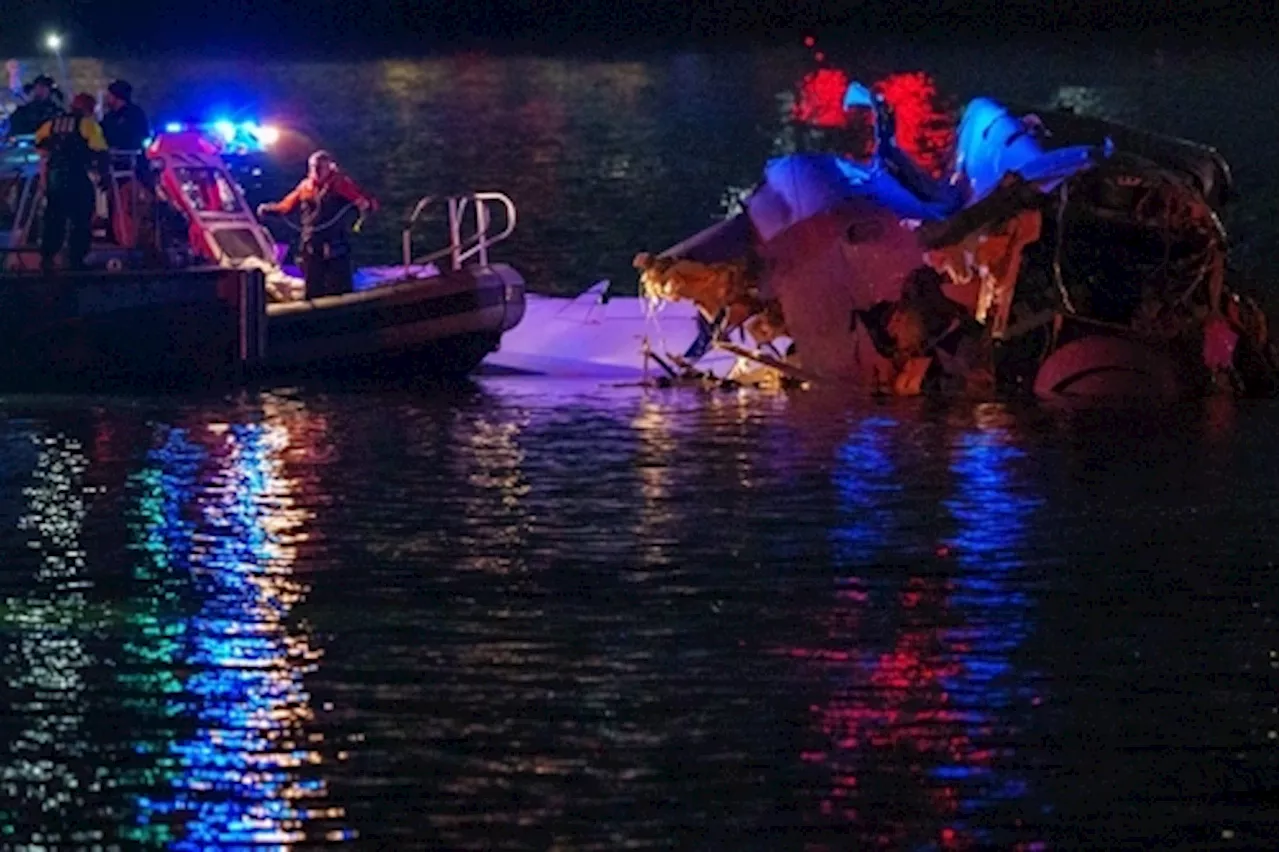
<point x="126" y="201"/>
<point x="460" y="248"/>
<point x="123" y="205"/>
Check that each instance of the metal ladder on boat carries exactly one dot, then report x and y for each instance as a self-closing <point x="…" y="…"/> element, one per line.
<point x="20" y="157"/>
<point x="125" y="202"/>
<point x="460" y="248"/>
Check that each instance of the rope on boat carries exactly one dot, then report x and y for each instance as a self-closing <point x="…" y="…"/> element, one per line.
<point x="333" y="220"/>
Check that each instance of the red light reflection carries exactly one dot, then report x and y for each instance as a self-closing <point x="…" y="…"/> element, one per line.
<point x="892" y="713"/>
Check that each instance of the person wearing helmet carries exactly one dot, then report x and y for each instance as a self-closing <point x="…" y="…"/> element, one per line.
<point x="322" y="197"/>
<point x="39" y="108"/>
<point x="70" y="146"/>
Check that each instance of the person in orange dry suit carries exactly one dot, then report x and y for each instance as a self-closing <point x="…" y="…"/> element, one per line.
<point x="322" y="197"/>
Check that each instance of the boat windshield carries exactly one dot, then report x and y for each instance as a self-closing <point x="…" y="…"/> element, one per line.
<point x="208" y="190"/>
<point x="239" y="244"/>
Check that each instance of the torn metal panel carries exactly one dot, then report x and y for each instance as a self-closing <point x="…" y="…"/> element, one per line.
<point x="984" y="267"/>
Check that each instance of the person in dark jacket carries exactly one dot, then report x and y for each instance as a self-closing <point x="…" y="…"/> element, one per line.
<point x="41" y="107"/>
<point x="322" y="196"/>
<point x="124" y="124"/>
<point x="71" y="145"/>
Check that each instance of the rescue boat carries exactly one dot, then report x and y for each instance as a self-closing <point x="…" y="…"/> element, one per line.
<point x="1068" y="257"/>
<point x="437" y="314"/>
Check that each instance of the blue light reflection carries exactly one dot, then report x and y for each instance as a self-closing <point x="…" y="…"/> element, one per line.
<point x="866" y="482"/>
<point x="922" y="703"/>
<point x="992" y="507"/>
<point x="250" y="773"/>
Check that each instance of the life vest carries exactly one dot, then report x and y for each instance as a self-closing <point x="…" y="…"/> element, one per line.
<point x="319" y="209"/>
<point x="69" y="152"/>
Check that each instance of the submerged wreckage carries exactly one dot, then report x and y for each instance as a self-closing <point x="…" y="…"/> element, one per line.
<point x="1058" y="254"/>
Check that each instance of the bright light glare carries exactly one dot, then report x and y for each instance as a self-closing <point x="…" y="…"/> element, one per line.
<point x="54" y="42"/>
<point x="239" y="134"/>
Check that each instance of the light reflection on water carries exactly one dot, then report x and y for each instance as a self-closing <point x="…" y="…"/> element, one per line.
<point x="49" y="767"/>
<point x="496" y="518"/>
<point x="218" y="510"/>
<point x="918" y="721"/>
<point x="551" y="615"/>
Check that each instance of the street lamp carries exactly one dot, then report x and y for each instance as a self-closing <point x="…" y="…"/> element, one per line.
<point x="53" y="42"/>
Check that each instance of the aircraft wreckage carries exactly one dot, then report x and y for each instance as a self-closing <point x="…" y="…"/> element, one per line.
<point x="1057" y="254"/>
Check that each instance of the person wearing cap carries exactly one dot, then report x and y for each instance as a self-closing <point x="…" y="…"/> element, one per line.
<point x="124" y="124"/>
<point x="70" y="145"/>
<point x="40" y="108"/>
<point x="322" y="197"/>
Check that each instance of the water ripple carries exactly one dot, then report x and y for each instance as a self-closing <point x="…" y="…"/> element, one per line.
<point x="534" y="615"/>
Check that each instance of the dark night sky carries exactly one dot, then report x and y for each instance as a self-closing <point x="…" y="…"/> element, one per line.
<point x="408" y="26"/>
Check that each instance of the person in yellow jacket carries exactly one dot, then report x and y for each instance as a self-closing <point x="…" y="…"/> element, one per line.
<point x="71" y="145"/>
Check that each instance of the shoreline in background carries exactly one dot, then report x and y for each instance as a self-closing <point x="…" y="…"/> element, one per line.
<point x="645" y="40"/>
<point x="555" y="110"/>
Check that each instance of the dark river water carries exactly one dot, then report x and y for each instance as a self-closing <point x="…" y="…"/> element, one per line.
<point x="531" y="615"/>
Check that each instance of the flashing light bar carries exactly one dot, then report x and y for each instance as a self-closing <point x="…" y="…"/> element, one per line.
<point x="243" y="137"/>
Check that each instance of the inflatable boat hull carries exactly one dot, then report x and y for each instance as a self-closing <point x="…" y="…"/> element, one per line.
<point x="443" y="325"/>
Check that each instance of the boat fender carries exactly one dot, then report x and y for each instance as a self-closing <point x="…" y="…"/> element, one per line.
<point x="1100" y="366"/>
